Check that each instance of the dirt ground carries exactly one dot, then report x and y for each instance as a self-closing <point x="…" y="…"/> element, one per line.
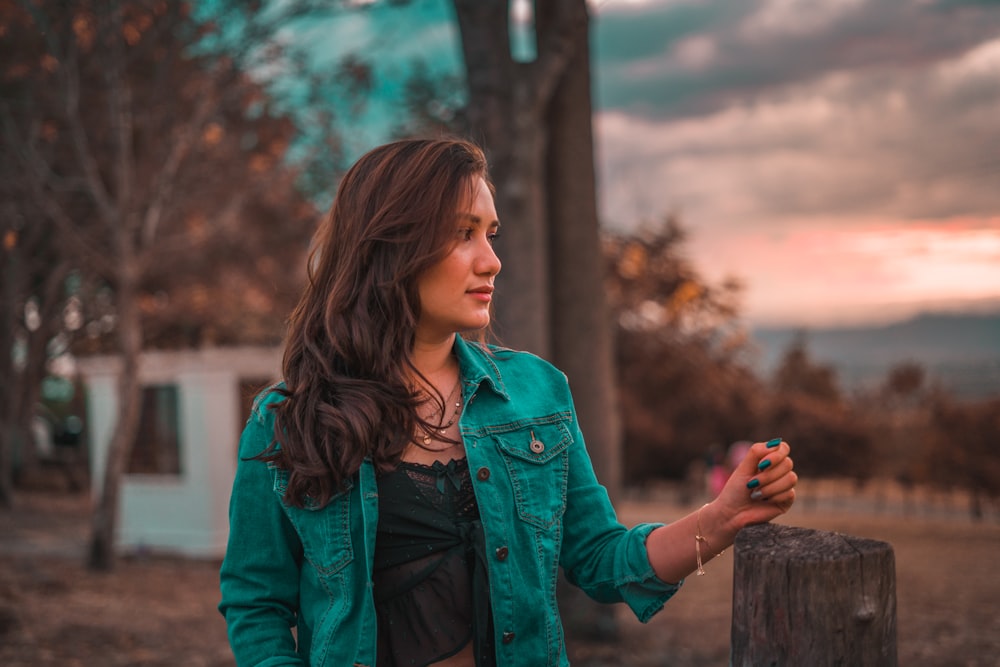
<point x="157" y="611"/>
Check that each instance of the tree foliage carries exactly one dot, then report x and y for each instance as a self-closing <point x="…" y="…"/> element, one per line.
<point x="799" y="374"/>
<point x="148" y="161"/>
<point x="808" y="408"/>
<point x="685" y="385"/>
<point x="962" y="449"/>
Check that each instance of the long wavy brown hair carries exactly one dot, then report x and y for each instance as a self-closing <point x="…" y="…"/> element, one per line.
<point x="347" y="364"/>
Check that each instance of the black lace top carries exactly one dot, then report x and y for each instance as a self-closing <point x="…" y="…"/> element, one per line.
<point x="431" y="586"/>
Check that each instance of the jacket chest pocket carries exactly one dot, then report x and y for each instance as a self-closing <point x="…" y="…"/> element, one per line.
<point x="535" y="455"/>
<point x="325" y="532"/>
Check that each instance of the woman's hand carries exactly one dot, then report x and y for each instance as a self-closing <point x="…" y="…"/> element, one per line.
<point x="761" y="488"/>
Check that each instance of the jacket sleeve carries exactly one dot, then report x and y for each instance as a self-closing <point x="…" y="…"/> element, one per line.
<point x="260" y="572"/>
<point x="601" y="556"/>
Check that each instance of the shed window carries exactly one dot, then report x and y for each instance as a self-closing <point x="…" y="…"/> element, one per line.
<point x="157" y="449"/>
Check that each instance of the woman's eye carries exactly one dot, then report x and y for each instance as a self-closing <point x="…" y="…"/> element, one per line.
<point x="492" y="237"/>
<point x="465" y="233"/>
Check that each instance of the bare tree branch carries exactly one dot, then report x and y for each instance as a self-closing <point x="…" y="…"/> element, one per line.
<point x="167" y="177"/>
<point x="37" y="174"/>
<point x="120" y="99"/>
<point x="179" y="244"/>
<point x="70" y="77"/>
<point x="81" y="145"/>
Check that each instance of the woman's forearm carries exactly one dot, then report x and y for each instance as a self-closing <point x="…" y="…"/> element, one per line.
<point x="674" y="549"/>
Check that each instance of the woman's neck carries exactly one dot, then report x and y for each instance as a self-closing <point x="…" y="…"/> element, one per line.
<point x="440" y="381"/>
<point x="434" y="360"/>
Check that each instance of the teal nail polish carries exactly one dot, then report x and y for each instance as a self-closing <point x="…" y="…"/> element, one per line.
<point x="753" y="483"/>
<point x="764" y="464"/>
<point x="773" y="443"/>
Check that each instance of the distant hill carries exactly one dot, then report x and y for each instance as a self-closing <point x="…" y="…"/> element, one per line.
<point x="959" y="351"/>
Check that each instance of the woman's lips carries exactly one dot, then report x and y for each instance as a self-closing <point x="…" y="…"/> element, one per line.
<point x="482" y="293"/>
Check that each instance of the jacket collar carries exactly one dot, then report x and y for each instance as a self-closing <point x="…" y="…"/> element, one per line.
<point x="476" y="362"/>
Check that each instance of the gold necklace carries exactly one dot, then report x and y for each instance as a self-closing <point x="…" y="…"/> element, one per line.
<point x="443" y="428"/>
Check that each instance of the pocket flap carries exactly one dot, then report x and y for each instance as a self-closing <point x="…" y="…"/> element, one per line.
<point x="535" y="442"/>
<point x="281" y="486"/>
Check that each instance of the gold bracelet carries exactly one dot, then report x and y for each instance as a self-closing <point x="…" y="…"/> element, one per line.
<point x="698" y="539"/>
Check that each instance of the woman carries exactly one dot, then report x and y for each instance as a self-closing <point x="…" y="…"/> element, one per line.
<point x="406" y="496"/>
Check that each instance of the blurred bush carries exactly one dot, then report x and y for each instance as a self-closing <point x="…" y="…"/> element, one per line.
<point x="687" y="389"/>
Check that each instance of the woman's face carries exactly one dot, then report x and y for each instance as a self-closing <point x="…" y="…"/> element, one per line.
<point x="455" y="294"/>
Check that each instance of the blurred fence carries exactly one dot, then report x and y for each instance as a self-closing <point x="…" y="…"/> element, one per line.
<point x="877" y="496"/>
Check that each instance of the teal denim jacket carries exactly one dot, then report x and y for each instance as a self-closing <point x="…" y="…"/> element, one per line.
<point x="541" y="507"/>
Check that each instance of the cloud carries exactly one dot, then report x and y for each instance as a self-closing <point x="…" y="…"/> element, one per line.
<point x="839" y="157"/>
<point x="910" y="144"/>
<point x="759" y="46"/>
<point x="782" y="18"/>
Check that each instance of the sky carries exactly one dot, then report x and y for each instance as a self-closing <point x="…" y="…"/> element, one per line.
<point x="841" y="158"/>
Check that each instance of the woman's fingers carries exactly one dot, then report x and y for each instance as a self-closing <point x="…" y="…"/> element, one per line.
<point x="778" y="479"/>
<point x="763" y="485"/>
<point x="783" y="501"/>
<point x="770" y="452"/>
<point x="781" y="485"/>
<point x="773" y="469"/>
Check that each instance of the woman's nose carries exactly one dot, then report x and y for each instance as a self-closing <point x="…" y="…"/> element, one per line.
<point x="489" y="262"/>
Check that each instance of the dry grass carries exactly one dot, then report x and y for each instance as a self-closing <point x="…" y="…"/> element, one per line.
<point x="160" y="612"/>
<point x="948" y="588"/>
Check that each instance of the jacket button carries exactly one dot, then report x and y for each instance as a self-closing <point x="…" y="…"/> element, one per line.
<point x="508" y="637"/>
<point x="502" y="553"/>
<point x="537" y="446"/>
<point x="483" y="474"/>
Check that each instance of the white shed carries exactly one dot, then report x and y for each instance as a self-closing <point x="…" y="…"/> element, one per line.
<point x="175" y="492"/>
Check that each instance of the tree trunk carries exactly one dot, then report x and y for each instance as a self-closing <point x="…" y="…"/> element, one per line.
<point x="29" y="378"/>
<point x="22" y="403"/>
<point x="976" y="504"/>
<point x="22" y="388"/>
<point x="808" y="597"/>
<point x="504" y="118"/>
<point x="101" y="555"/>
<point x="8" y="326"/>
<point x="524" y="309"/>
<point x="7" y="440"/>
<point x="122" y="218"/>
<point x="581" y="329"/>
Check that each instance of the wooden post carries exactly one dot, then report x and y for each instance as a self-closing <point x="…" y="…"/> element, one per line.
<point x="810" y="597"/>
